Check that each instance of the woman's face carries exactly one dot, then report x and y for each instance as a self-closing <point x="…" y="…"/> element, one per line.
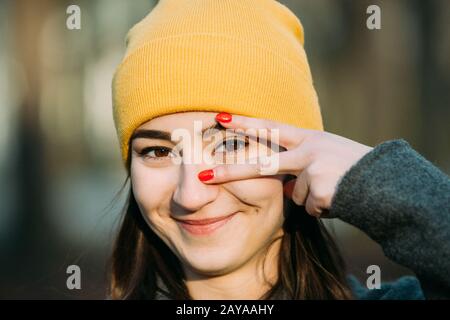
<point x="169" y="192"/>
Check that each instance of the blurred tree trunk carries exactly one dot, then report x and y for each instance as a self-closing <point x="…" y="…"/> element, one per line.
<point x="32" y="243"/>
<point x="434" y="98"/>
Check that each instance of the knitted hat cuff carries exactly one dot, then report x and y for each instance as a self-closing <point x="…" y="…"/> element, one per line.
<point x="213" y="72"/>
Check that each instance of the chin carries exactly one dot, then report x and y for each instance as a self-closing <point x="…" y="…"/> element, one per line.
<point x="213" y="264"/>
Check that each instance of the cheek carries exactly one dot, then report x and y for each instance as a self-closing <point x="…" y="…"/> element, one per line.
<point x="264" y="200"/>
<point x="257" y="191"/>
<point x="151" y="187"/>
<point x="152" y="190"/>
<point x="255" y="228"/>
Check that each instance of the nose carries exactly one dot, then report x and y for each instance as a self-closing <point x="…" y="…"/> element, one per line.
<point x="191" y="194"/>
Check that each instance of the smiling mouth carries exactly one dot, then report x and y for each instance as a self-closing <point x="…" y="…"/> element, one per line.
<point x="204" y="226"/>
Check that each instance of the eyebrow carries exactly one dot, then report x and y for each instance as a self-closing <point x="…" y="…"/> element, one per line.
<point x="164" y="135"/>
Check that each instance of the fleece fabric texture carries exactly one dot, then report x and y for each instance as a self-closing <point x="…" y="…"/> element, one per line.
<point x="402" y="201"/>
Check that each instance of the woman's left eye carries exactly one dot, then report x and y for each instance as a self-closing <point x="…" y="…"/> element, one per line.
<point x="232" y="145"/>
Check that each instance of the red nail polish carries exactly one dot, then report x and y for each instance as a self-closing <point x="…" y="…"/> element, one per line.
<point x="223" y="117"/>
<point x="206" y="175"/>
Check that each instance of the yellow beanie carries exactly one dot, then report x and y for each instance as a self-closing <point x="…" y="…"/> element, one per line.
<point x="239" y="56"/>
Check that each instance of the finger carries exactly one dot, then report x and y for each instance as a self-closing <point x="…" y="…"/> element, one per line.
<point x="288" y="136"/>
<point x="312" y="206"/>
<point x="288" y="188"/>
<point x="301" y="189"/>
<point x="288" y="162"/>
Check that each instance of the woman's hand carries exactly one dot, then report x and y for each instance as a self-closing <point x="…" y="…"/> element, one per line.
<point x="317" y="159"/>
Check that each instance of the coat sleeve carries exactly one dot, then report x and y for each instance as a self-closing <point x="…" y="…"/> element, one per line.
<point x="402" y="201"/>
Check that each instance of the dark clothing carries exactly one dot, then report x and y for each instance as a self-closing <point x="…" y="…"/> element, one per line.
<point x="402" y="201"/>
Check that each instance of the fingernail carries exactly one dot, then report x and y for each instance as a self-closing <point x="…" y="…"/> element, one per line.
<point x="206" y="175"/>
<point x="223" y="117"/>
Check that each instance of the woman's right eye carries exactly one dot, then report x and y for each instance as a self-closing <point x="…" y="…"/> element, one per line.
<point x="157" y="153"/>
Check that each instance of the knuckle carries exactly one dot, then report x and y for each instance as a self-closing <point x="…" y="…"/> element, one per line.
<point x="221" y="172"/>
<point x="297" y="199"/>
<point x="314" y="141"/>
<point x="313" y="206"/>
<point x="313" y="170"/>
<point x="318" y="194"/>
<point x="315" y="137"/>
<point x="321" y="203"/>
<point x="309" y="207"/>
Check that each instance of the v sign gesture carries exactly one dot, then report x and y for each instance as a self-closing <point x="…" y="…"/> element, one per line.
<point x="317" y="159"/>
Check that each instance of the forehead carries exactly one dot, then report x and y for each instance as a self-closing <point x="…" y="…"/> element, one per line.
<point x="179" y="120"/>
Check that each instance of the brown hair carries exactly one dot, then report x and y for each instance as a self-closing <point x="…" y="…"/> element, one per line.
<point x="310" y="265"/>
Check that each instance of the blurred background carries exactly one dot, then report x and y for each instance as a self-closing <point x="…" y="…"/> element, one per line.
<point x="60" y="165"/>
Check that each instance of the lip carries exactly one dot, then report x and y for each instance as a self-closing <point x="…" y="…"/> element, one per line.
<point x="204" y="226"/>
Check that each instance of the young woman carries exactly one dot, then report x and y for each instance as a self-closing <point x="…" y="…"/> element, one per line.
<point x="200" y="85"/>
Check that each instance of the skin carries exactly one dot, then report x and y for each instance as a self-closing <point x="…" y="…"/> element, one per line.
<point x="218" y="265"/>
<point x="215" y="266"/>
<point x="317" y="159"/>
